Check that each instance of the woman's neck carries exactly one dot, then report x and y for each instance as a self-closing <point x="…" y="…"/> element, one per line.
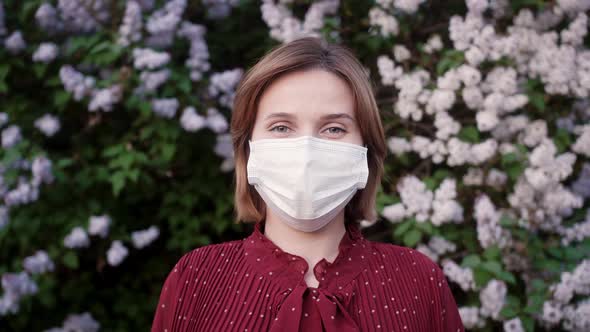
<point x="312" y="246"/>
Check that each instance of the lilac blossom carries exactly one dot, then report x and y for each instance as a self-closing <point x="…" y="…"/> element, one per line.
<point x="15" y="286"/>
<point x="130" y="30"/>
<point x="198" y="59"/>
<point x="46" y="53"/>
<point x="41" y="169"/>
<point x="143" y="238"/>
<point x="216" y="121"/>
<point x="165" y="107"/>
<point x="38" y="263"/>
<point x="47" y="18"/>
<point x="77" y="238"/>
<point x="191" y="121"/>
<point x="15" y="42"/>
<point x="116" y="253"/>
<point x="145" y="58"/>
<point x="75" y="82"/>
<point x="48" y="124"/>
<point x="104" y="99"/>
<point x="99" y="225"/>
<point x="76" y="17"/>
<point x="222" y="85"/>
<point x="11" y="135"/>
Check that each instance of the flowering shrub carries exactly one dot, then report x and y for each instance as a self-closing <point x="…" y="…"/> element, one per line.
<point x="116" y="157"/>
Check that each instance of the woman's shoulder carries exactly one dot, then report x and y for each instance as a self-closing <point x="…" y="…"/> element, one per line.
<point x="403" y="259"/>
<point x="211" y="253"/>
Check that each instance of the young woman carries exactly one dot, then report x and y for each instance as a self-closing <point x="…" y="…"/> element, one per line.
<point x="309" y="149"/>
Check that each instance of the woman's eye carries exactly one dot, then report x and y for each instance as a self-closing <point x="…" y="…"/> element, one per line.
<point x="279" y="126"/>
<point x="339" y="130"/>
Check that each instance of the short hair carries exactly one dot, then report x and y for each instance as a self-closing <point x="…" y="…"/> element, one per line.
<point x="302" y="54"/>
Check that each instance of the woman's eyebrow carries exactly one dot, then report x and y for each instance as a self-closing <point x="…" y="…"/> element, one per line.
<point x="333" y="116"/>
<point x="330" y="116"/>
<point x="279" y="115"/>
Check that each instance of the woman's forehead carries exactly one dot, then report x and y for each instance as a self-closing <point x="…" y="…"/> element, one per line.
<point x="314" y="93"/>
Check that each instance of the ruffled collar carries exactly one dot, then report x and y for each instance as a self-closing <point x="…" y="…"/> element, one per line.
<point x="271" y="260"/>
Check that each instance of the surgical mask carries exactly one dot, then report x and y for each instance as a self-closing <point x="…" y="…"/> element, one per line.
<point x="306" y="180"/>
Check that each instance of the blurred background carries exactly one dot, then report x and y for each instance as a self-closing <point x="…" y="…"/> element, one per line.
<point x="116" y="158"/>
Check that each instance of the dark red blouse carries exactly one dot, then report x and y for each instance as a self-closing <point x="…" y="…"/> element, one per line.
<point x="253" y="285"/>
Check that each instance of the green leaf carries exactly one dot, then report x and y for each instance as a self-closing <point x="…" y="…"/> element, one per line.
<point x="70" y="259"/>
<point x="425" y="226"/>
<point x="113" y="150"/>
<point x="537" y="99"/>
<point x="469" y="134"/>
<point x="39" y="69"/>
<point x="168" y="151"/>
<point x="492" y="266"/>
<point x="471" y="261"/>
<point x="507" y="276"/>
<point x="412" y="237"/>
<point x="562" y="140"/>
<point x="4" y="70"/>
<point x="492" y="253"/>
<point x="508" y="312"/>
<point x="481" y="276"/>
<point x="403" y="227"/>
<point x="118" y="182"/>
<point x="528" y="323"/>
<point x="507" y="221"/>
<point x="61" y="98"/>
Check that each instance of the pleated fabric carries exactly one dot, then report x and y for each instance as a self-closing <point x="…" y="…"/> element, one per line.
<point x="253" y="285"/>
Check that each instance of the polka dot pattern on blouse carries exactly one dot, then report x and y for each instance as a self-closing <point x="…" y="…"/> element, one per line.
<point x="253" y="285"/>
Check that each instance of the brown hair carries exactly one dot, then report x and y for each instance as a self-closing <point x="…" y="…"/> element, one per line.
<point x="303" y="54"/>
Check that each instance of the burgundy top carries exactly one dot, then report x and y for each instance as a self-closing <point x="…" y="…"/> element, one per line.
<point x="253" y="285"/>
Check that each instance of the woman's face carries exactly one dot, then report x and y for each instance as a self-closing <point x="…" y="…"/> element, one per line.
<point x="314" y="103"/>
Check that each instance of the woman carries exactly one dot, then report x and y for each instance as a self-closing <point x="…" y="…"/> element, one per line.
<point x="309" y="150"/>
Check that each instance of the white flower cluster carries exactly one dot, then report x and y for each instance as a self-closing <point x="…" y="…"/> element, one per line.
<point x="285" y="27"/>
<point x="462" y="276"/>
<point x="218" y="9"/>
<point x="163" y="22"/>
<point x="573" y="316"/>
<point x="224" y="148"/>
<point x="15" y="43"/>
<point x="48" y="124"/>
<point x="15" y="286"/>
<point x="130" y="29"/>
<point x="26" y="189"/>
<point x="436" y="247"/>
<point x="387" y="24"/>
<point x="418" y="201"/>
<point x="46" y="53"/>
<point x="539" y="196"/>
<point x="471" y="318"/>
<point x="489" y="231"/>
<point x="198" y="60"/>
<point x="99" y="226"/>
<point x="492" y="298"/>
<point x="77" y="322"/>
<point x="143" y="238"/>
<point x="165" y="107"/>
<point x="222" y="85"/>
<point x="116" y="253"/>
<point x="38" y="263"/>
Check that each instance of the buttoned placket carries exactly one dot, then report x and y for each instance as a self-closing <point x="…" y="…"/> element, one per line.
<point x="335" y="285"/>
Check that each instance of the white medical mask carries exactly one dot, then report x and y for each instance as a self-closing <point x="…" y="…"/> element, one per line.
<point x="306" y="180"/>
